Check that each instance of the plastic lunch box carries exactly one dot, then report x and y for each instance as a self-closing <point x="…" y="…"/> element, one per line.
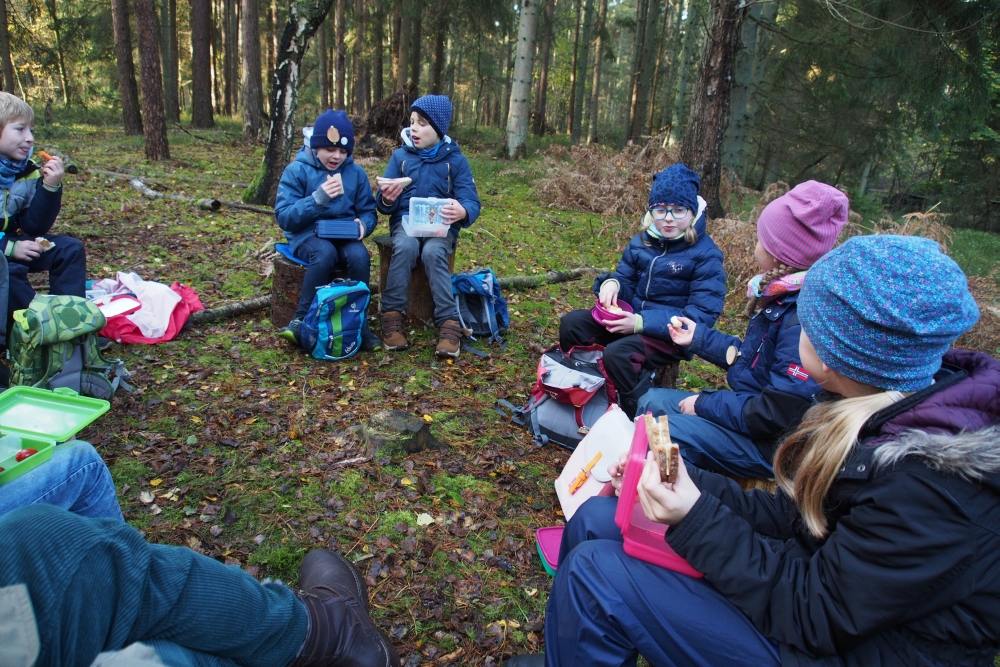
<point x="424" y="212"/>
<point x="39" y="419"/>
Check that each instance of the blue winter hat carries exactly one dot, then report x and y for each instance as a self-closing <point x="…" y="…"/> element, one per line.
<point x="437" y="110"/>
<point x="333" y="129"/>
<point x="883" y="310"/>
<point x="675" y="185"/>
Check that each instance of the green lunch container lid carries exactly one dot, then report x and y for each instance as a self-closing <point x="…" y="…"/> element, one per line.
<point x="48" y="415"/>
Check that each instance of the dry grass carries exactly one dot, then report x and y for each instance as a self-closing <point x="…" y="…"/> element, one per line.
<point x="985" y="336"/>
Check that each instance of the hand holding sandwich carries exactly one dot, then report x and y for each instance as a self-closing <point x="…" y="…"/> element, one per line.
<point x="664" y="502"/>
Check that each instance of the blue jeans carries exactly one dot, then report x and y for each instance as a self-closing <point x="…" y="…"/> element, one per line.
<point x="433" y="253"/>
<point x="96" y="585"/>
<point x="325" y="255"/>
<point x="607" y="607"/>
<point x="66" y="264"/>
<point x="704" y="443"/>
<point x="75" y="479"/>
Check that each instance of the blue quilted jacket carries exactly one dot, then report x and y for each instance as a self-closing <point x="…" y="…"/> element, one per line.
<point x="662" y="278"/>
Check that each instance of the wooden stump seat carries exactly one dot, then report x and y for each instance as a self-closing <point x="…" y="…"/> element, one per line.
<point x="286" y="285"/>
<point x="419" y="302"/>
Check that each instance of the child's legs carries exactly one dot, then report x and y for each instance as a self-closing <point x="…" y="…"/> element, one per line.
<point x="629" y="362"/>
<point x="579" y="327"/>
<point x="322" y="257"/>
<point x="663" y="402"/>
<point x="405" y="252"/>
<point x="353" y="255"/>
<point x="594" y="520"/>
<point x="434" y="254"/>
<point x="21" y="292"/>
<point x="607" y="607"/>
<point x="66" y="264"/>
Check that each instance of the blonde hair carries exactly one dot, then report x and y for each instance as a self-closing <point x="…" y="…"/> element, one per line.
<point x="690" y="234"/>
<point x="14" y="108"/>
<point x="808" y="460"/>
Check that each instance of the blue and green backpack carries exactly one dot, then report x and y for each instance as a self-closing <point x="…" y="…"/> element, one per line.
<point x="331" y="330"/>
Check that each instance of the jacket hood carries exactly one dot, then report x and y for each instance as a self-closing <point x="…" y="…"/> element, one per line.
<point x="307" y="155"/>
<point x="972" y="455"/>
<point x="448" y="145"/>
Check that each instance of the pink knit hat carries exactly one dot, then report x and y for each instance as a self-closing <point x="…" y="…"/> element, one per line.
<point x="802" y="225"/>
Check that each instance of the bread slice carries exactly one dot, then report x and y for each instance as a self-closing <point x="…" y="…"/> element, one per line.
<point x="668" y="455"/>
<point x="403" y="180"/>
<point x="45" y="243"/>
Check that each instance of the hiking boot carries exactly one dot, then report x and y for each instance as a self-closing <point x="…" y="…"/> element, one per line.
<point x="450" y="341"/>
<point x="291" y="332"/>
<point x="103" y="343"/>
<point x="392" y="331"/>
<point x="534" y="660"/>
<point x="340" y="629"/>
<point x="370" y="342"/>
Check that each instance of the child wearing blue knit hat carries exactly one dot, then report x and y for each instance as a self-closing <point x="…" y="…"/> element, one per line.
<point x="324" y="183"/>
<point x="429" y="164"/>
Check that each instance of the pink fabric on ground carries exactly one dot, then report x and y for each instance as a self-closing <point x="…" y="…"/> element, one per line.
<point x="122" y="330"/>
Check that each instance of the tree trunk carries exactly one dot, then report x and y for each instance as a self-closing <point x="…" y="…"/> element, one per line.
<point x="397" y="27"/>
<point x="378" y="46"/>
<point x="863" y="186"/>
<point x="60" y="60"/>
<point x="768" y="14"/>
<point x="201" y="64"/>
<point x="733" y="156"/>
<point x="268" y="41"/>
<point x="154" y="123"/>
<point x="323" y="62"/>
<point x="252" y="97"/>
<point x="658" y="68"/>
<point x="538" y="126"/>
<point x="341" y="50"/>
<point x="503" y="106"/>
<point x="644" y="73"/>
<point x="580" y="83"/>
<point x="572" y="69"/>
<point x="168" y="58"/>
<point x="702" y="146"/>
<point x="687" y="63"/>
<point x="520" y="90"/>
<point x="218" y="67"/>
<point x="674" y="57"/>
<point x="360" y="32"/>
<point x="416" y="57"/>
<point x="303" y="20"/>
<point x="641" y="8"/>
<point x="403" y="44"/>
<point x="126" y="70"/>
<point x="595" y="86"/>
<point x="440" y="37"/>
<point x="8" y="64"/>
<point x="230" y="56"/>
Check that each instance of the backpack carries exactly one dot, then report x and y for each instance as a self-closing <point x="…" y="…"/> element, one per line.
<point x="54" y="344"/>
<point x="572" y="391"/>
<point x="481" y="308"/>
<point x="331" y="330"/>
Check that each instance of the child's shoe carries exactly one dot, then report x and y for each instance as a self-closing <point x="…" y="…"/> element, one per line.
<point x="369" y="341"/>
<point x="392" y="331"/>
<point x="451" y="339"/>
<point x="291" y="332"/>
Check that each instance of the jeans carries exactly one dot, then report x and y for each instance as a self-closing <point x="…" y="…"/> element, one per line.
<point x="66" y="264"/>
<point x="704" y="443"/>
<point x="325" y="255"/>
<point x="96" y="585"/>
<point x="75" y="479"/>
<point x="433" y="253"/>
<point x="607" y="607"/>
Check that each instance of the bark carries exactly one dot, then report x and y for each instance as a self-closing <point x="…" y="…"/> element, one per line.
<point x="595" y="86"/>
<point x="154" y="123"/>
<point x="674" y="57"/>
<point x="687" y="64"/>
<point x="360" y="31"/>
<point x="304" y="17"/>
<point x="520" y="90"/>
<point x="572" y="70"/>
<point x="231" y="310"/>
<point x="378" y="44"/>
<point x="252" y="93"/>
<point x="502" y="109"/>
<point x="538" y="124"/>
<point x="230" y="51"/>
<point x="218" y="66"/>
<point x="702" y="146"/>
<point x="201" y="64"/>
<point x="658" y="68"/>
<point x="440" y="38"/>
<point x="8" y="64"/>
<point x="323" y="62"/>
<point x="168" y="58"/>
<point x="50" y="5"/>
<point x="576" y="122"/>
<point x="644" y="73"/>
<point x="269" y="23"/>
<point x="863" y="186"/>
<point x="403" y="45"/>
<point x="733" y="157"/>
<point x="397" y="27"/>
<point x="340" y="49"/>
<point x="416" y="57"/>
<point x="126" y="70"/>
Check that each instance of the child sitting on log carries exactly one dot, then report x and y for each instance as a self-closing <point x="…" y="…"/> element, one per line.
<point x="438" y="169"/>
<point x="324" y="183"/>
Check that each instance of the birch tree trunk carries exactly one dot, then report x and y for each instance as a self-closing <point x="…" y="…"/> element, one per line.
<point x="702" y="146"/>
<point x="520" y="90"/>
<point x="252" y="94"/>
<point x="538" y="124"/>
<point x="126" y="70"/>
<point x="595" y="86"/>
<point x="201" y="64"/>
<point x="580" y="83"/>
<point x="154" y="123"/>
<point x="168" y="59"/>
<point x="8" y="64"/>
<point x="341" y="50"/>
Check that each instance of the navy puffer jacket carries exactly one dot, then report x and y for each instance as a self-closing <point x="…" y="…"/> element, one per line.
<point x="661" y="278"/>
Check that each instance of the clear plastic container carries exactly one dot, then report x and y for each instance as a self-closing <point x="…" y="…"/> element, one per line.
<point x="425" y="216"/>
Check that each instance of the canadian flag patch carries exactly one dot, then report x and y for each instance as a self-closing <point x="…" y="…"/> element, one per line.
<point x="797" y="372"/>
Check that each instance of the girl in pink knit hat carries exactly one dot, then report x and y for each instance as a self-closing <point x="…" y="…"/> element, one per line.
<point x="737" y="430"/>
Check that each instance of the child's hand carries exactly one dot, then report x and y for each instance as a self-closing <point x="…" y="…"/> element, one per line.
<point x="390" y="193"/>
<point x="685" y="336"/>
<point x="666" y="503"/>
<point x="625" y="324"/>
<point x="617" y="472"/>
<point x="333" y="186"/>
<point x="609" y="293"/>
<point x="687" y="405"/>
<point x="26" y="251"/>
<point x="52" y="171"/>
<point x="452" y="212"/>
<point x="361" y="228"/>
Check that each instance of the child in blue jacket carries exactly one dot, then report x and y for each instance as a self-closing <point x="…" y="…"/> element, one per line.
<point x="671" y="268"/>
<point x="438" y="169"/>
<point x="324" y="183"/>
<point x="737" y="431"/>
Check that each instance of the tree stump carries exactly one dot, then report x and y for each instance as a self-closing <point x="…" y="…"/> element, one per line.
<point x="666" y="377"/>
<point x="398" y="430"/>
<point x="286" y="286"/>
<point x="419" y="302"/>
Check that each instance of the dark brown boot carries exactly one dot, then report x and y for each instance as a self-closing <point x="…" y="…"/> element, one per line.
<point x="451" y="339"/>
<point x="392" y="331"/>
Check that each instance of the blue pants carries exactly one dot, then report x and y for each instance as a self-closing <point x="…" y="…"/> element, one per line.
<point x="66" y="264"/>
<point x="606" y="607"/>
<point x="704" y="443"/>
<point x="96" y="585"/>
<point x="433" y="253"/>
<point x="75" y="479"/>
<point x="325" y="255"/>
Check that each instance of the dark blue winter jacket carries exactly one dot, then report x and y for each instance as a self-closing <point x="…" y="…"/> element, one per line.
<point x="29" y="206"/>
<point x="446" y="175"/>
<point x="661" y="278"/>
<point x="770" y="389"/>
<point x="297" y="208"/>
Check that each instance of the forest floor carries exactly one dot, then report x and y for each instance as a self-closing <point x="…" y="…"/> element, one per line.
<point x="238" y="445"/>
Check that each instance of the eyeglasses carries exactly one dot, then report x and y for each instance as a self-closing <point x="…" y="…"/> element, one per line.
<point x="661" y="212"/>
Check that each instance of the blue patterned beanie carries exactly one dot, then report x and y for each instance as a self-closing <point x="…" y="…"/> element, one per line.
<point x="675" y="185"/>
<point x="437" y="110"/>
<point x="883" y="310"/>
<point x="333" y="129"/>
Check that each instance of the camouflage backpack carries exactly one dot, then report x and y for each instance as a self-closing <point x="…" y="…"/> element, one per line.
<point x="54" y="344"/>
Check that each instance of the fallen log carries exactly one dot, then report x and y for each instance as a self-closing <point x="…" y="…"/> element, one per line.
<point x="230" y="310"/>
<point x="149" y="193"/>
<point x="124" y="172"/>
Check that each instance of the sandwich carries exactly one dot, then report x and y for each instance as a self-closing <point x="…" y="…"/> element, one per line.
<point x="45" y="243"/>
<point x="667" y="454"/>
<point x="403" y="180"/>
